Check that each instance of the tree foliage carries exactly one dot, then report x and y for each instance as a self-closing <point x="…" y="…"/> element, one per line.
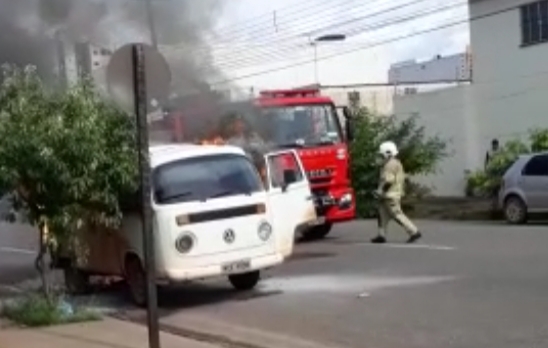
<point x="65" y="157"/>
<point x="486" y="182"/>
<point x="420" y="154"/>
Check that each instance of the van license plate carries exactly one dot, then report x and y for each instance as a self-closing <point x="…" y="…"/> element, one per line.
<point x="236" y="267"/>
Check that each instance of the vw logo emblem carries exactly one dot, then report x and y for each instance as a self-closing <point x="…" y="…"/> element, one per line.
<point x="229" y="236"/>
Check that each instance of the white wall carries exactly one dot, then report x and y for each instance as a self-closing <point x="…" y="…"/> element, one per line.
<point x="378" y="100"/>
<point x="442" y="113"/>
<point x="508" y="97"/>
<point x="510" y="81"/>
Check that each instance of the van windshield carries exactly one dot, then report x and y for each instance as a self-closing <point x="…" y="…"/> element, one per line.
<point x="203" y="178"/>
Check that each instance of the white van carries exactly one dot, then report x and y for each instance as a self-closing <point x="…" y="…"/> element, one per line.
<point x="212" y="216"/>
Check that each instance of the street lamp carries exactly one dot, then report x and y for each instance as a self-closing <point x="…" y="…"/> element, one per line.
<point x="151" y="24"/>
<point x="323" y="38"/>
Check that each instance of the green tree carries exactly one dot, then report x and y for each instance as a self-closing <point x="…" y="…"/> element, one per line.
<point x="419" y="153"/>
<point x="66" y="158"/>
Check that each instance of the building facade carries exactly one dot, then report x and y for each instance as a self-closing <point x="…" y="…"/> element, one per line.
<point x="377" y="99"/>
<point x="507" y="96"/>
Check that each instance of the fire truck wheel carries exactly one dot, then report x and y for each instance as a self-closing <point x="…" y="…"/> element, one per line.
<point x="245" y="281"/>
<point x="76" y="281"/>
<point x="136" y="280"/>
<point x="317" y="232"/>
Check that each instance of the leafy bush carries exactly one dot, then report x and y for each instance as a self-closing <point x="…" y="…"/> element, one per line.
<point x="34" y="311"/>
<point x="419" y="153"/>
<point x="486" y="182"/>
<point x="66" y="157"/>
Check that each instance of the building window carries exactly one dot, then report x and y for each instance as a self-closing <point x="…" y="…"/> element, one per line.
<point x="534" y="23"/>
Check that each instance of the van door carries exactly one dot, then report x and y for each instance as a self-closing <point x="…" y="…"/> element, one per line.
<point x="290" y="197"/>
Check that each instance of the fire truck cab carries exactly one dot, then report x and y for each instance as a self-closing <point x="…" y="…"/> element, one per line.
<point x="304" y="120"/>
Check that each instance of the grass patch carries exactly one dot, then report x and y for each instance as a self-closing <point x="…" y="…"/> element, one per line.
<point x="35" y="310"/>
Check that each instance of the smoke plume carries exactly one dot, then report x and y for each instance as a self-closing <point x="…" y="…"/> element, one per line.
<point x="28" y="28"/>
<point x="28" y="31"/>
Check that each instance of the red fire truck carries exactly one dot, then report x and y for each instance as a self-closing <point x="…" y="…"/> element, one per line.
<point x="304" y="120"/>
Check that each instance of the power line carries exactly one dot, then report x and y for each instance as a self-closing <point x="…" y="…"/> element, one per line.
<point x="306" y="27"/>
<point x="259" y="54"/>
<point x="373" y="45"/>
<point x="356" y="31"/>
<point x="333" y="24"/>
<point x="294" y="11"/>
<point x="317" y="8"/>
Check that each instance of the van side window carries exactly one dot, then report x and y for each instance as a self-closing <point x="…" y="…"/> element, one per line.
<point x="537" y="166"/>
<point x="287" y="163"/>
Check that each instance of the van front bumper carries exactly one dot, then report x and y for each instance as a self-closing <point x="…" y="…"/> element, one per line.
<point x="182" y="274"/>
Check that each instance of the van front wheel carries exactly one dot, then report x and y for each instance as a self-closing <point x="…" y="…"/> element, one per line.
<point x="245" y="281"/>
<point x="317" y="232"/>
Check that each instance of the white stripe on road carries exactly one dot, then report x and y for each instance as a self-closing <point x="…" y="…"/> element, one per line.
<point x="411" y="246"/>
<point x="17" y="250"/>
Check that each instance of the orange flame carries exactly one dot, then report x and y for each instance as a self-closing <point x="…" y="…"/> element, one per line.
<point x="215" y="140"/>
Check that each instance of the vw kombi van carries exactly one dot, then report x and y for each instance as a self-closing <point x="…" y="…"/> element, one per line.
<point x="213" y="215"/>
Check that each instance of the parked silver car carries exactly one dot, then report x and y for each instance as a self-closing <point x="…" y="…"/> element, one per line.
<point x="524" y="188"/>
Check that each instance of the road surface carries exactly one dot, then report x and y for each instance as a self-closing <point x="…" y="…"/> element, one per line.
<point x="464" y="285"/>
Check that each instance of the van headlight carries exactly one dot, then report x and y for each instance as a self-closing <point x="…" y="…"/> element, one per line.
<point x="185" y="242"/>
<point x="264" y="231"/>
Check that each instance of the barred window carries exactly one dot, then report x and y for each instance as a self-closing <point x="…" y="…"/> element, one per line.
<point x="534" y="23"/>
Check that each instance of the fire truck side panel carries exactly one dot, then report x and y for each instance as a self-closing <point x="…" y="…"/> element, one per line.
<point x="327" y="167"/>
<point x="328" y="173"/>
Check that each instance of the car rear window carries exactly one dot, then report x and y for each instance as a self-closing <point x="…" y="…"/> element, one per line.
<point x="536" y="166"/>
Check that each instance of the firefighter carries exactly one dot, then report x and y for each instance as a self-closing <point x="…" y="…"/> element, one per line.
<point x="389" y="194"/>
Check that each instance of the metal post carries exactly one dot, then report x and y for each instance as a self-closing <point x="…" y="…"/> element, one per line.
<point x="316" y="77"/>
<point x="151" y="24"/>
<point x="139" y="82"/>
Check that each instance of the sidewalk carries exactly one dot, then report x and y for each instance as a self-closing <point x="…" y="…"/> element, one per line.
<point x="108" y="333"/>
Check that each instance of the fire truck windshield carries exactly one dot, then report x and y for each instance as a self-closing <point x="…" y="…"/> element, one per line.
<point x="302" y="125"/>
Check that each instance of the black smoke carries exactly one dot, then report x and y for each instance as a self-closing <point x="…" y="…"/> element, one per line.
<point x="28" y="29"/>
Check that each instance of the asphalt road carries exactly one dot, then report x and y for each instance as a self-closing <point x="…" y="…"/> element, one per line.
<point x="464" y="285"/>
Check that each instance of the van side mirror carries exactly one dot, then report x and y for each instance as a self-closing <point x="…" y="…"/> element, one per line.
<point x="348" y="124"/>
<point x="289" y="177"/>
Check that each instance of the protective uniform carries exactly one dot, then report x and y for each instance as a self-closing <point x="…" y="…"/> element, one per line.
<point x="390" y="192"/>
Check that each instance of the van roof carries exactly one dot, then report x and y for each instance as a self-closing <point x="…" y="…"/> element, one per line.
<point x="160" y="154"/>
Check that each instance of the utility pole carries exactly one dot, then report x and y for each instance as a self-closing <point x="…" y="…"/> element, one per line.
<point x="140" y="95"/>
<point x="151" y="24"/>
<point x="316" y="75"/>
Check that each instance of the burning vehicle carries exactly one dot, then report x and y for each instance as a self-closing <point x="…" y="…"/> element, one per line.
<point x="299" y="119"/>
<point x="212" y="217"/>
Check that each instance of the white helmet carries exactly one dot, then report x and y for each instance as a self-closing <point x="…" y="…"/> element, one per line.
<point x="388" y="149"/>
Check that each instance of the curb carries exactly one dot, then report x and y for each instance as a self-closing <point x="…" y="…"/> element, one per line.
<point x="195" y="335"/>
